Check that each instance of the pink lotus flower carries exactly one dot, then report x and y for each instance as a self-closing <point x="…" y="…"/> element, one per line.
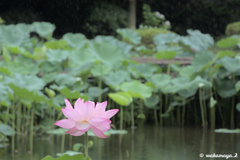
<point x="85" y="116"/>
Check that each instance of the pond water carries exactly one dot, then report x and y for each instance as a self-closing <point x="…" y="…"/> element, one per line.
<point x="147" y="143"/>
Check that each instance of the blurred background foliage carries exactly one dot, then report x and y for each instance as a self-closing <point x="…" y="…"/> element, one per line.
<point x="103" y="17"/>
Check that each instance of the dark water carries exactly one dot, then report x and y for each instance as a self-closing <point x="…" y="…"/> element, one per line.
<point x="147" y="143"/>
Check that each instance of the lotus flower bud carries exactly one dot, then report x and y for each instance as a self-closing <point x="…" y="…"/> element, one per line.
<point x="50" y="92"/>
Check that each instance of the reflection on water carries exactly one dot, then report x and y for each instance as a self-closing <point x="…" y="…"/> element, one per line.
<point x="147" y="143"/>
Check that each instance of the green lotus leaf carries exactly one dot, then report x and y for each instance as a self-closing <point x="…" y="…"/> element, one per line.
<point x="226" y="53"/>
<point x="26" y="103"/>
<point x="49" y="77"/>
<point x="40" y="53"/>
<point x="181" y="82"/>
<point x="187" y="71"/>
<point x="47" y="67"/>
<point x="4" y="98"/>
<point x="136" y="89"/>
<point x="224" y="130"/>
<point x="25" y="94"/>
<point x="231" y="64"/>
<point x="99" y="70"/>
<point x="153" y="87"/>
<point x="121" y="98"/>
<point x="19" y="50"/>
<point x="141" y="116"/>
<point x="77" y="146"/>
<point x="225" y="88"/>
<point x="2" y="21"/>
<point x="145" y="70"/>
<point x="113" y="79"/>
<point x="70" y="153"/>
<point x="213" y="102"/>
<point x="177" y="49"/>
<point x="6" y="130"/>
<point x="67" y="157"/>
<point x="29" y="82"/>
<point x="160" y="80"/>
<point x="195" y="82"/>
<point x="202" y="59"/>
<point x="237" y="85"/>
<point x="77" y="40"/>
<point x="108" y="39"/>
<point x="80" y="56"/>
<point x="186" y="93"/>
<point x="44" y="29"/>
<point x="11" y="36"/>
<point x="96" y="91"/>
<point x="24" y="29"/>
<point x="108" y="54"/>
<point x="131" y="70"/>
<point x="130" y="35"/>
<point x="152" y="101"/>
<point x="175" y="67"/>
<point x="5" y="70"/>
<point x="161" y="39"/>
<point x="114" y="131"/>
<point x="227" y="42"/>
<point x="23" y="65"/>
<point x="59" y="44"/>
<point x="6" y="55"/>
<point x="69" y="94"/>
<point x="141" y="48"/>
<point x="165" y="55"/>
<point x="81" y="69"/>
<point x="197" y="40"/>
<point x="126" y="48"/>
<point x="170" y="88"/>
<point x="56" y="55"/>
<point x="238" y="107"/>
<point x="65" y="79"/>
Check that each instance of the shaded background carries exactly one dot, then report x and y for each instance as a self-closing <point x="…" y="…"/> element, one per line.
<point x="209" y="16"/>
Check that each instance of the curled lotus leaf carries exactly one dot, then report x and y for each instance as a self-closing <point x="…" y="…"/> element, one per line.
<point x="136" y="89"/>
<point x="44" y="29"/>
<point x="121" y="98"/>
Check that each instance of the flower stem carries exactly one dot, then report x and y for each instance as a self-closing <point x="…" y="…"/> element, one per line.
<point x="201" y="105"/>
<point x="63" y="142"/>
<point x="13" y="126"/>
<point x="121" y="117"/>
<point x="132" y="116"/>
<point x="86" y="145"/>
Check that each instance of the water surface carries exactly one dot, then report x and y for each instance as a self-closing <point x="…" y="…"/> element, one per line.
<point x="147" y="143"/>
